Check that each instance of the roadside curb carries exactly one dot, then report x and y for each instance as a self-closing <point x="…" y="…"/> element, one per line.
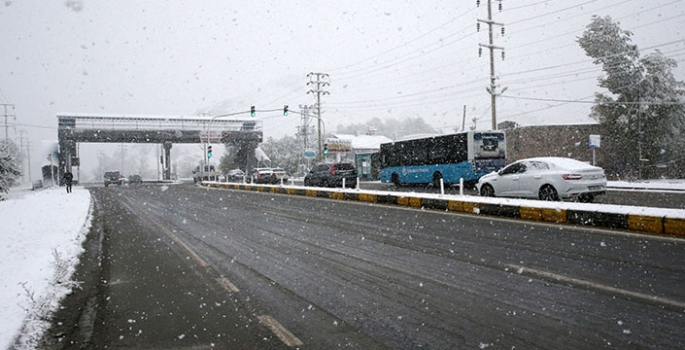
<point x="632" y="222"/>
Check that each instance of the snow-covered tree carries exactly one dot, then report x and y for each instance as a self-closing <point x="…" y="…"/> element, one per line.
<point x="286" y="152"/>
<point x="9" y="170"/>
<point x="643" y="115"/>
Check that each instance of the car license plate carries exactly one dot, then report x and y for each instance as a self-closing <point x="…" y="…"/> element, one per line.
<point x="595" y="188"/>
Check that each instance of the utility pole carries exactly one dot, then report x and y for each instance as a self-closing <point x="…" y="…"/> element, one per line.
<point x="28" y="159"/>
<point x="5" y="105"/>
<point x="304" y="131"/>
<point x="492" y="89"/>
<point x="463" y="120"/>
<point x="21" y="150"/>
<point x="317" y="79"/>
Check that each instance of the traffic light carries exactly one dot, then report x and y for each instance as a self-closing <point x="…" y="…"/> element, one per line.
<point x="285" y="110"/>
<point x="252" y="111"/>
<point x="209" y="151"/>
<point x="325" y="148"/>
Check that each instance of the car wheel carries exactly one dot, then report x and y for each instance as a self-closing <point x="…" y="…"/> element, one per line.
<point x="586" y="198"/>
<point x="306" y="182"/>
<point x="325" y="183"/>
<point x="395" y="180"/>
<point x="487" y="191"/>
<point x="548" y="193"/>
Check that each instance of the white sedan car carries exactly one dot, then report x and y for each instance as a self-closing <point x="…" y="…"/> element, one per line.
<point x="548" y="178"/>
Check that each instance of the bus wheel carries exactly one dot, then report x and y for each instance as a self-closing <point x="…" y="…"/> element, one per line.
<point x="548" y="193"/>
<point x="487" y="191"/>
<point x="395" y="180"/>
<point x="436" y="179"/>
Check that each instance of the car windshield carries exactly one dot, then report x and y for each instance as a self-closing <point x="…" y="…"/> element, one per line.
<point x="379" y="174"/>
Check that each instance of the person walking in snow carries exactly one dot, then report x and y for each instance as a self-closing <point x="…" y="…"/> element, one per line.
<point x="68" y="177"/>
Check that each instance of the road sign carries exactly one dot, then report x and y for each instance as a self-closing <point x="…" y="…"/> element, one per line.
<point x="595" y="141"/>
<point x="337" y="145"/>
<point x="309" y="153"/>
<point x="210" y="136"/>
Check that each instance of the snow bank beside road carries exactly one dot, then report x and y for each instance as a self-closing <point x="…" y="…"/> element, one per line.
<point x="42" y="235"/>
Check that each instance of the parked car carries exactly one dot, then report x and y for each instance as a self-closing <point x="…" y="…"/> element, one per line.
<point x="549" y="178"/>
<point x="331" y="175"/>
<point x="262" y="176"/>
<point x="281" y="174"/>
<point x="235" y="175"/>
<point x="135" y="179"/>
<point x="113" y="178"/>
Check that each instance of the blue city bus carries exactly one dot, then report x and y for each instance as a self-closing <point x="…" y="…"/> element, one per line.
<point x="466" y="155"/>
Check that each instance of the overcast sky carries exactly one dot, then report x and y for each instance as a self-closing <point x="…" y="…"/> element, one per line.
<point x="386" y="58"/>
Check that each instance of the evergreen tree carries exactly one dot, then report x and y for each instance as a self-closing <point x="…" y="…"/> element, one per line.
<point x="9" y="170"/>
<point x="642" y="116"/>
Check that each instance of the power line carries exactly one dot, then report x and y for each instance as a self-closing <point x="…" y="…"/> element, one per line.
<point x="418" y="53"/>
<point x="409" y="98"/>
<point x="595" y="102"/>
<point x="566" y="18"/>
<point x="403" y="44"/>
<point x="527" y="5"/>
<point x="576" y="31"/>
<point x="553" y="12"/>
<point x="33" y="126"/>
<point x="442" y="66"/>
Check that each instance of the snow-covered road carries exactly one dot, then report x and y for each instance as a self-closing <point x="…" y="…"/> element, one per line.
<point x="43" y="232"/>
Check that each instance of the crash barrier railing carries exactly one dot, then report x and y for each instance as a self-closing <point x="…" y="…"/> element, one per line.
<point x="605" y="219"/>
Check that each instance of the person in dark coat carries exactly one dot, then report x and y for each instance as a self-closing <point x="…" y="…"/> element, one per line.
<point x="68" y="177"/>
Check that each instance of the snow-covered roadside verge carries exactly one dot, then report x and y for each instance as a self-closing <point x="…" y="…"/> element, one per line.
<point x="42" y="234"/>
<point x="651" y="185"/>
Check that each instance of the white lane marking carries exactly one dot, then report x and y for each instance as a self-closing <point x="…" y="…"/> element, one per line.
<point x="224" y="282"/>
<point x="596" y="286"/>
<point x="283" y="334"/>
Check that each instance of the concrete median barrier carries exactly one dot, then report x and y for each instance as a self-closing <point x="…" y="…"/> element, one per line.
<point x="651" y="224"/>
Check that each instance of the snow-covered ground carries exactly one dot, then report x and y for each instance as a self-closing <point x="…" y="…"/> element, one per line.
<point x="42" y="234"/>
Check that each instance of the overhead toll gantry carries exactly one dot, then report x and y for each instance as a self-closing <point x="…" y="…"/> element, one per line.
<point x="74" y="128"/>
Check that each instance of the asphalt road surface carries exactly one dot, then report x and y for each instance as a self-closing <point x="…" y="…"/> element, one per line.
<point x="184" y="267"/>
